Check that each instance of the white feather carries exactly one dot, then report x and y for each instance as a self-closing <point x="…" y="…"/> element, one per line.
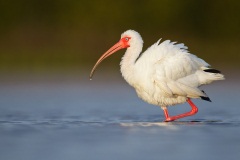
<point x="165" y="74"/>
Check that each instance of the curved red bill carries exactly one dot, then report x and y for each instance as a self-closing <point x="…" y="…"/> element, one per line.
<point x="113" y="49"/>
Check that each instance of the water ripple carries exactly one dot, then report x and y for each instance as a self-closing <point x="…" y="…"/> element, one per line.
<point x="120" y="122"/>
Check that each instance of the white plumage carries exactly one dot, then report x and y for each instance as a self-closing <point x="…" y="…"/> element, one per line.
<point x="165" y="74"/>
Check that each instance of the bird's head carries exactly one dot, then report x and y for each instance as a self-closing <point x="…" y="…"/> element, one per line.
<point x="126" y="41"/>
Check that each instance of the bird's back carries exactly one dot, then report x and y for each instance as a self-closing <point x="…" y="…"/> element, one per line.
<point x="170" y="60"/>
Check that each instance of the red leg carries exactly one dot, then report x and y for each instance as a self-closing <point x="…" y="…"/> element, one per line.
<point x="172" y="118"/>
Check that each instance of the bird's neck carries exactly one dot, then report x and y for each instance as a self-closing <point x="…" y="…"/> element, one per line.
<point x="128" y="63"/>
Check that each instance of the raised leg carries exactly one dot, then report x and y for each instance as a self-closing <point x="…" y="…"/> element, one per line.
<point x="172" y="118"/>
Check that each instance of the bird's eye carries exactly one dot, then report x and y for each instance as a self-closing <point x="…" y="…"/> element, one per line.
<point x="126" y="38"/>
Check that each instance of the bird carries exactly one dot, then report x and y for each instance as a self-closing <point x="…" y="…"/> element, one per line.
<point x="166" y="74"/>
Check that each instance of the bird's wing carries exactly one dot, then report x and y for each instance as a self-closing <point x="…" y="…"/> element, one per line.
<point x="175" y="69"/>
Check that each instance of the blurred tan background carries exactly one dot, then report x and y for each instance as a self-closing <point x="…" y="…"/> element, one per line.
<point x="41" y="36"/>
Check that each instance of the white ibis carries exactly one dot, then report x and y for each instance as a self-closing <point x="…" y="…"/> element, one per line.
<point x="165" y="74"/>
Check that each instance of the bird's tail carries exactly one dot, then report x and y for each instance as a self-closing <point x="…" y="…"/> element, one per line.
<point x="210" y="75"/>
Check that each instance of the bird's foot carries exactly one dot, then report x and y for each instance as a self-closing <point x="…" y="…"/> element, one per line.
<point x="169" y="119"/>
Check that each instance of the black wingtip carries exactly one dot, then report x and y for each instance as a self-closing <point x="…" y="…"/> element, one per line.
<point x="211" y="70"/>
<point x="206" y="98"/>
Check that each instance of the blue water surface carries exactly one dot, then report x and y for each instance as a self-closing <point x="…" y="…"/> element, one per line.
<point x="69" y="117"/>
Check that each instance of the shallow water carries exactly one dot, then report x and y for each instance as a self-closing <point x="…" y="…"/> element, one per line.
<point x="70" y="118"/>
